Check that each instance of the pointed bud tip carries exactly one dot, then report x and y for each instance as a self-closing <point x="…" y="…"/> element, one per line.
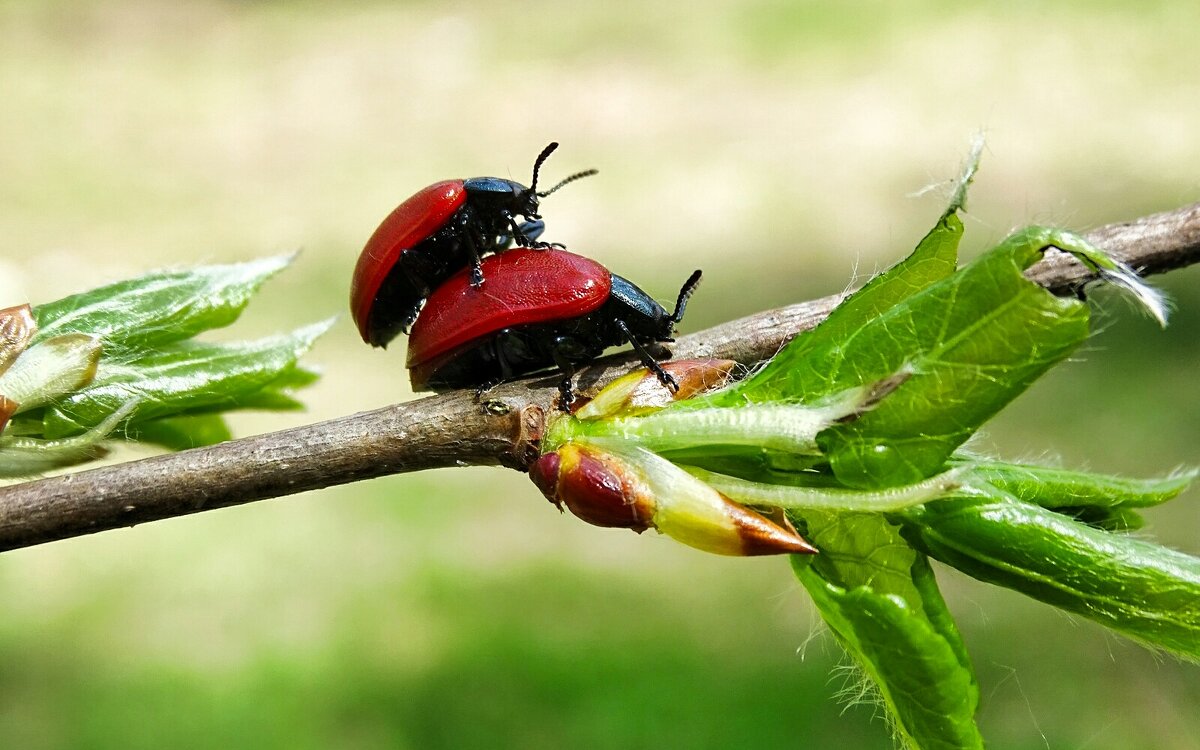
<point x="760" y="536"/>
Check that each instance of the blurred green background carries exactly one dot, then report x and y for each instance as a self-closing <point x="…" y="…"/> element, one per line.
<point x="776" y="144"/>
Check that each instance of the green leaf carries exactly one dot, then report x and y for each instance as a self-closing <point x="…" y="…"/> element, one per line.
<point x="1116" y="519"/>
<point x="183" y="377"/>
<point x="297" y="377"/>
<point x="792" y="492"/>
<point x="274" y="396"/>
<point x="1059" y="488"/>
<point x="268" y="399"/>
<point x="26" y="456"/>
<point x="953" y="353"/>
<point x="158" y="308"/>
<point x="879" y="597"/>
<point x="28" y="424"/>
<point x="1142" y="589"/>
<point x="182" y="432"/>
<point x="974" y="341"/>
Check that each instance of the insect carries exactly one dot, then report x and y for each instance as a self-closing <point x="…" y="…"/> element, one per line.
<point x="433" y="234"/>
<point x="540" y="309"/>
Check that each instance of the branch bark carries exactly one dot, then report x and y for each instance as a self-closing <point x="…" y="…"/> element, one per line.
<point x="454" y="429"/>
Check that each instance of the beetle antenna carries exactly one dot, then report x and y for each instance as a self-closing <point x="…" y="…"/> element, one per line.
<point x="572" y="178"/>
<point x="685" y="292"/>
<point x="537" y="163"/>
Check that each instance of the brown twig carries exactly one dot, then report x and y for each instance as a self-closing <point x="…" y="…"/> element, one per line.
<point x="453" y="429"/>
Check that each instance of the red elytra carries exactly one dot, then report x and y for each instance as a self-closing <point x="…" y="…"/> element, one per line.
<point x="522" y="287"/>
<point x="411" y="222"/>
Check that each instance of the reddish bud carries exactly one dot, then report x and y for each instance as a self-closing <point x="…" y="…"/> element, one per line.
<point x="641" y="490"/>
<point x="544" y="474"/>
<point x="693" y="376"/>
<point x="8" y="407"/>
<point x="594" y="487"/>
<point x="641" y="390"/>
<point x="16" y="329"/>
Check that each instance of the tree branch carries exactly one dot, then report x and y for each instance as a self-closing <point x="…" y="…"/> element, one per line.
<point x="454" y="429"/>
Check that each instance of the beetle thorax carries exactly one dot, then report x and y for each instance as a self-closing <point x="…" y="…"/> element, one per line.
<point x="645" y="317"/>
<point x="497" y="195"/>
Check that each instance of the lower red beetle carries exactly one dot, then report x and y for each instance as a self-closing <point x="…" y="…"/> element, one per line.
<point x="540" y="309"/>
<point x="439" y="230"/>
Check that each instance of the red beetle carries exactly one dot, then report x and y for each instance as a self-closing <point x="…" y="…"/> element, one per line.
<point x="441" y="229"/>
<point x="540" y="309"/>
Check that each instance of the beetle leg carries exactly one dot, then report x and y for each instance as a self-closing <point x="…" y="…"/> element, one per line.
<point x="565" y="396"/>
<point x="409" y="318"/>
<point x="480" y="390"/>
<point x="506" y="371"/>
<point x="518" y="232"/>
<point x="529" y="230"/>
<point x="649" y="361"/>
<point x="526" y="234"/>
<point x="528" y="240"/>
<point x="473" y="245"/>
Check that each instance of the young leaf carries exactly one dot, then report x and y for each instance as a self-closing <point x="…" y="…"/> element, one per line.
<point x="1142" y="589"/>
<point x="1059" y="488"/>
<point x="182" y="377"/>
<point x="158" y="308"/>
<point x="26" y="456"/>
<point x="181" y="432"/>
<point x="879" y="597"/>
<point x="974" y="342"/>
<point x="798" y="496"/>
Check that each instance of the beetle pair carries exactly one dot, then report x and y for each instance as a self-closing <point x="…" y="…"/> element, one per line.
<point x="433" y="234"/>
<point x="516" y="312"/>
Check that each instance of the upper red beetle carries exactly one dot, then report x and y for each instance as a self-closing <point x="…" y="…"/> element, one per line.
<point x="436" y="232"/>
